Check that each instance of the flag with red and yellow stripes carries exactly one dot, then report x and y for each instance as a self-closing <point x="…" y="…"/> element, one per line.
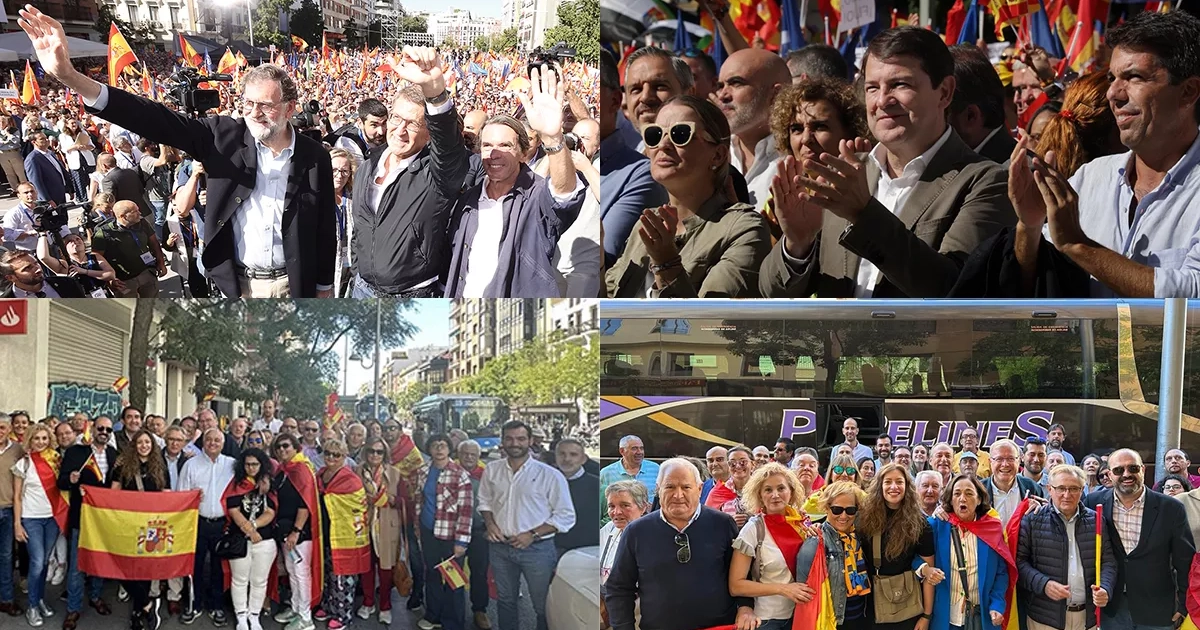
<point x="130" y="535"/>
<point x="349" y="540"/>
<point x="452" y="574"/>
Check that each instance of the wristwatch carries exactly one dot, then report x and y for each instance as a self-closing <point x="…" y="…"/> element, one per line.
<point x="440" y="99"/>
<point x="297" y="531"/>
<point x="551" y="150"/>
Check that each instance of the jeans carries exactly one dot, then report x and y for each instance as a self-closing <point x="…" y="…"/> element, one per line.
<point x="160" y="219"/>
<point x="776" y="624"/>
<point x="207" y="588"/>
<point x="416" y="564"/>
<point x="537" y="563"/>
<point x="443" y="605"/>
<point x="477" y="558"/>
<point x="1119" y="618"/>
<point x="75" y="578"/>
<point x="6" y="555"/>
<point x="250" y="575"/>
<point x="42" y="533"/>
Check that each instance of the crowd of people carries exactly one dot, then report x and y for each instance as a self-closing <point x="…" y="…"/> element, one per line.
<point x="900" y="538"/>
<point x="480" y="178"/>
<point x="921" y="173"/>
<point x="280" y="487"/>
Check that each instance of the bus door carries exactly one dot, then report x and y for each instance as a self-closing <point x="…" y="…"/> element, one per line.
<point x="831" y="412"/>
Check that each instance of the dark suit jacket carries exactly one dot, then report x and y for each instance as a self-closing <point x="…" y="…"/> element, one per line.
<point x="1154" y="576"/>
<point x="960" y="201"/>
<point x="1028" y="486"/>
<point x="999" y="147"/>
<point x="74" y="460"/>
<point x="65" y="286"/>
<point x="126" y="185"/>
<point x="230" y="158"/>
<point x="50" y="183"/>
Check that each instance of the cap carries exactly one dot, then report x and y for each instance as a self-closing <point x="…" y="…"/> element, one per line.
<point x="968" y="455"/>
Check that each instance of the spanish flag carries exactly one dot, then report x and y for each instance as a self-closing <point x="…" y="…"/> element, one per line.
<point x="120" y="55"/>
<point x="46" y="462"/>
<point x="128" y="535"/>
<point x="30" y="92"/>
<point x="349" y="541"/>
<point x="992" y="533"/>
<point x="324" y="46"/>
<point x="405" y="456"/>
<point x="366" y="66"/>
<point x="300" y="473"/>
<point x="121" y="383"/>
<point x="189" y="54"/>
<point x="817" y="614"/>
<point x="452" y="574"/>
<point x="227" y="62"/>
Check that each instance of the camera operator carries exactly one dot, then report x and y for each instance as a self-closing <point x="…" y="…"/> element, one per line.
<point x="18" y="223"/>
<point x="158" y="178"/>
<point x="27" y="279"/>
<point x="370" y="132"/>
<point x="90" y="270"/>
<point x="270" y="229"/>
<point x="130" y="246"/>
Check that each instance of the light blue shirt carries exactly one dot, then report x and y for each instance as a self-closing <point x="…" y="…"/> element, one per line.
<point x="647" y="474"/>
<point x="210" y="478"/>
<point x="1165" y="233"/>
<point x="860" y="451"/>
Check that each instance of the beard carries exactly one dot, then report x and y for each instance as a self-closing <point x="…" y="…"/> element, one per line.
<point x="265" y="131"/>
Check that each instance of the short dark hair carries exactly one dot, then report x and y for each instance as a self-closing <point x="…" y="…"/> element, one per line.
<point x="1059" y="426"/>
<point x="1187" y="485"/>
<point x="126" y="410"/>
<point x="610" y="77"/>
<point x="515" y="424"/>
<point x="372" y="107"/>
<point x="948" y="495"/>
<point x="788" y="443"/>
<point x="1174" y="38"/>
<point x="438" y="437"/>
<point x="976" y="83"/>
<point x="909" y="41"/>
<point x="818" y="61"/>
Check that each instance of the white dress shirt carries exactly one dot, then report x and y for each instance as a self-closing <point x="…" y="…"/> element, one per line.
<point x="46" y="288"/>
<point x="210" y="478"/>
<point x="258" y="226"/>
<point x="758" y="178"/>
<point x="892" y="192"/>
<point x="53" y="160"/>
<point x="534" y="495"/>
<point x="18" y="221"/>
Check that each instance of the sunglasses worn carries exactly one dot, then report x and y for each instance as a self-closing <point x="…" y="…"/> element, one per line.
<point x="376" y="451"/>
<point x="104" y="430"/>
<point x="334" y="455"/>
<point x="838" y="510"/>
<point x="684" y="555"/>
<point x="1133" y="469"/>
<point x="680" y="134"/>
<point x="391" y="428"/>
<point x="842" y="470"/>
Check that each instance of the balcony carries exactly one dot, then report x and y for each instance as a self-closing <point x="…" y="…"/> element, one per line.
<point x="81" y="11"/>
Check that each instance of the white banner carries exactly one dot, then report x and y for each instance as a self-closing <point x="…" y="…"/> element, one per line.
<point x="856" y="13"/>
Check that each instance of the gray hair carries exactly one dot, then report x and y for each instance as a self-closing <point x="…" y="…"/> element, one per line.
<point x="941" y="445"/>
<point x="515" y="125"/>
<point x="272" y="72"/>
<point x="609" y="76"/>
<point x="1005" y="443"/>
<point x="1068" y="469"/>
<point x="676" y="462"/>
<point x="469" y="444"/>
<point x="683" y="73"/>
<point x="410" y="94"/>
<point x="625" y="440"/>
<point x="5" y="417"/>
<point x="636" y="489"/>
<point x="927" y="473"/>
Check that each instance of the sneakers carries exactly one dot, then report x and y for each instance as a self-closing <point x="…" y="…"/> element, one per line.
<point x="334" y="624"/>
<point x="320" y="615"/>
<point x="59" y="575"/>
<point x="152" y="617"/>
<point x="413" y="603"/>
<point x="189" y="616"/>
<point x="286" y="616"/>
<point x="136" y="620"/>
<point x="243" y="622"/>
<point x="385" y="617"/>
<point x="218" y="618"/>
<point x="424" y="624"/>
<point x="365" y="612"/>
<point x="255" y="623"/>
<point x="33" y="617"/>
<point x="122" y="594"/>
<point x="299" y="623"/>
<point x="481" y="620"/>
<point x="45" y="610"/>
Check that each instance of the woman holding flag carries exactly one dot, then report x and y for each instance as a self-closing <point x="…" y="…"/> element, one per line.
<point x="346" y="542"/>
<point x="767" y="547"/>
<point x="297" y="525"/>
<point x="970" y="549"/>
<point x="39" y="513"/>
<point x="140" y="467"/>
<point x="835" y="567"/>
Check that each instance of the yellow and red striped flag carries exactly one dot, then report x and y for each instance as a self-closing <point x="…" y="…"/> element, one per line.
<point x="349" y="540"/>
<point x="120" y="384"/>
<point x="31" y="93"/>
<point x="299" y="42"/>
<point x="189" y="54"/>
<point x="452" y="574"/>
<point x="129" y="535"/>
<point x="405" y="456"/>
<point x="120" y="55"/>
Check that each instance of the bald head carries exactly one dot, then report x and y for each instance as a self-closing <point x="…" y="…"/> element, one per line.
<point x="106" y="162"/>
<point x="588" y="131"/>
<point x="127" y="213"/>
<point x="750" y="79"/>
<point x="474" y="120"/>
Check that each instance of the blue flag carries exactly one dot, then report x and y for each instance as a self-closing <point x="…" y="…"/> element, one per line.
<point x="1042" y="35"/>
<point x="207" y="63"/>
<point x="970" y="28"/>
<point x="718" y="51"/>
<point x="683" y="39"/>
<point x="791" y="36"/>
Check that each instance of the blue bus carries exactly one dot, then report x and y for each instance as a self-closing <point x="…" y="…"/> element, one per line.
<point x="480" y="416"/>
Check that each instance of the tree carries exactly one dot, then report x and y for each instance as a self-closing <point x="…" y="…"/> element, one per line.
<point x="139" y="32"/>
<point x="308" y="22"/>
<point x="483" y="42"/>
<point x="266" y="24"/>
<point x="413" y="24"/>
<point x="579" y="27"/>
<point x="449" y="43"/>
<point x="508" y="39"/>
<point x="139" y="351"/>
<point x="353" y="38"/>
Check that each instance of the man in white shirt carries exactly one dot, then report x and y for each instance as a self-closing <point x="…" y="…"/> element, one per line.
<point x="18" y="222"/>
<point x="268" y="421"/>
<point x="524" y="503"/>
<point x="750" y="79"/>
<point x="210" y="472"/>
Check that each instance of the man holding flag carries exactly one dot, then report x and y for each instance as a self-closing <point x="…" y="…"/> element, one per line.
<point x="84" y="465"/>
<point x="444" y="511"/>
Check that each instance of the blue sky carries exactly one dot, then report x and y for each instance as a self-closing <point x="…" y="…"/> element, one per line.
<point x="432" y="319"/>
<point x="485" y="8"/>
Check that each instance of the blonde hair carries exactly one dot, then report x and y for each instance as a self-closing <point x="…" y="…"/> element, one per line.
<point x="342" y="153"/>
<point x="33" y="431"/>
<point x="837" y="489"/>
<point x="751" y="493"/>
<point x="845" y="461"/>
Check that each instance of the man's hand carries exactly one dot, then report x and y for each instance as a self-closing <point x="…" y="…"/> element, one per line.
<point x="324" y="293"/>
<point x="74" y="477"/>
<point x="746" y="619"/>
<point x="494" y="534"/>
<point x="1062" y="204"/>
<point x="422" y="66"/>
<point x="839" y="184"/>
<point x="49" y="41"/>
<point x="997" y="618"/>
<point x="1099" y="596"/>
<point x="459" y="551"/>
<point x="1057" y="591"/>
<point x="161" y="268"/>
<point x="1022" y="189"/>
<point x="799" y="218"/>
<point x="544" y="105"/>
<point x="798" y="592"/>
<point x="934" y="575"/>
<point x="521" y="541"/>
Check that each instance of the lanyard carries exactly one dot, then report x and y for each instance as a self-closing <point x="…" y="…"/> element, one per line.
<point x="341" y="216"/>
<point x="136" y="240"/>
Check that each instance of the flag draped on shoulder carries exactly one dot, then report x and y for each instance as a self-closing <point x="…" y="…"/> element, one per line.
<point x="301" y="474"/>
<point x="120" y="55"/>
<point x="46" y="464"/>
<point x="349" y="540"/>
<point x="817" y="614"/>
<point x="129" y="535"/>
<point x="991" y="531"/>
<point x="405" y="456"/>
<point x="237" y="489"/>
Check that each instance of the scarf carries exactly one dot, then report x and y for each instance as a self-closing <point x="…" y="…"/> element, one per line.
<point x="858" y="582"/>
<point x="46" y="463"/>
<point x="720" y="495"/>
<point x="237" y="489"/>
<point x="299" y="471"/>
<point x="990" y="530"/>
<point x="788" y="531"/>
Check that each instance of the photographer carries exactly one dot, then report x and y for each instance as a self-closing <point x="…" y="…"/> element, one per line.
<point x="130" y="245"/>
<point x="270" y="229"/>
<point x="90" y="270"/>
<point x="18" y="223"/>
<point x="158" y="176"/>
<point x="27" y="279"/>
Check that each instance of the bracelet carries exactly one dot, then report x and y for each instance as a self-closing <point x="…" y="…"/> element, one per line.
<point x="670" y="264"/>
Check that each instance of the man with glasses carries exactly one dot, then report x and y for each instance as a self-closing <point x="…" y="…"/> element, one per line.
<point x="404" y="193"/>
<point x="1006" y="488"/>
<point x="675" y="562"/>
<point x="175" y="457"/>
<point x="969" y="441"/>
<point x="1152" y="545"/>
<point x="310" y="443"/>
<point x="785" y="450"/>
<point x="704" y="72"/>
<point x="1056" y="559"/>
<point x="270" y="228"/>
<point x="210" y="473"/>
<point x="289" y="426"/>
<point x="84" y="465"/>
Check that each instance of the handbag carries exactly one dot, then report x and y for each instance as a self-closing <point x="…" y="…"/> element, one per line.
<point x="973" y="618"/>
<point x="897" y="597"/>
<point x="232" y="546"/>
<point x="401" y="578"/>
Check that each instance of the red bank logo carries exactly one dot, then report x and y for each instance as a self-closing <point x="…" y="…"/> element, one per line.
<point x="12" y="317"/>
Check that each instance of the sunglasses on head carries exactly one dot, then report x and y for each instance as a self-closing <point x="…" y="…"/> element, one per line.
<point x="844" y="470"/>
<point x="680" y="134"/>
<point x="1133" y="469"/>
<point x="837" y="510"/>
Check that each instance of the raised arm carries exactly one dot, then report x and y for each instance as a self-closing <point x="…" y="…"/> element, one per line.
<point x="544" y="109"/>
<point x="451" y="159"/>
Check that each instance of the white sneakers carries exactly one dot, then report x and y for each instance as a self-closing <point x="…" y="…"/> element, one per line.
<point x="385" y="617"/>
<point x="365" y="612"/>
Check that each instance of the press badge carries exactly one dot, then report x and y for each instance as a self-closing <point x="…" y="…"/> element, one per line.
<point x="98" y="293"/>
<point x="148" y="258"/>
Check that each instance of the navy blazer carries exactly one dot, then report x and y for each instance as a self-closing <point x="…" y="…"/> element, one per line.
<point x="50" y="183"/>
<point x="230" y="157"/>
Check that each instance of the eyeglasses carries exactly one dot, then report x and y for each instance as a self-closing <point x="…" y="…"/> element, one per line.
<point x="400" y="121"/>
<point x="1011" y="460"/>
<point x="1133" y="469"/>
<point x="376" y="451"/>
<point x="1067" y="489"/>
<point x="843" y="470"/>
<point x="680" y="134"/>
<point x="252" y="464"/>
<point x="334" y="455"/>
<point x="391" y="428"/>
<point x="341" y="171"/>
<point x="248" y="106"/>
<point x="256" y="440"/>
<point x="684" y="555"/>
<point x="310" y="430"/>
<point x="285" y="446"/>
<point x="104" y="430"/>
<point x="838" y="510"/>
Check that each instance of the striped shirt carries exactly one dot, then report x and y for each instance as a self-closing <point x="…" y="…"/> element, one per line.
<point x="958" y="599"/>
<point x="1129" y="521"/>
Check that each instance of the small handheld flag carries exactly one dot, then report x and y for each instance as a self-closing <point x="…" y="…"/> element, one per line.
<point x="452" y="574"/>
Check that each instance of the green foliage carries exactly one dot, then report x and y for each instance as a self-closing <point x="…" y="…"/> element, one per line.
<point x="449" y="42"/>
<point x="483" y="42"/>
<point x="413" y="24"/>
<point x="508" y="39"/>
<point x="308" y="22"/>
<point x="139" y="32"/>
<point x="266" y="24"/>
<point x="579" y="27"/>
<point x="543" y="371"/>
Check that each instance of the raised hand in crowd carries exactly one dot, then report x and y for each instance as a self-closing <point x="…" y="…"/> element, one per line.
<point x="422" y="66"/>
<point x="838" y="183"/>
<point x="799" y="217"/>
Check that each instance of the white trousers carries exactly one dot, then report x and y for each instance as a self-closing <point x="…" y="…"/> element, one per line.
<point x="249" y="577"/>
<point x="300" y="576"/>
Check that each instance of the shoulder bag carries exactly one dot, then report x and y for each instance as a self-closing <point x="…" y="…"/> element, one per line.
<point x="897" y="597"/>
<point x="973" y="617"/>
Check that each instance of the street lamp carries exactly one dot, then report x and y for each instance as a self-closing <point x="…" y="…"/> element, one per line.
<point x="366" y="362"/>
<point x="249" y="19"/>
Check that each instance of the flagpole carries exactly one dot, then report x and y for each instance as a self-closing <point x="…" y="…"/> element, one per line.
<point x="981" y="12"/>
<point x="1099" y="531"/>
<point x="803" y="14"/>
<point x="1066" y="61"/>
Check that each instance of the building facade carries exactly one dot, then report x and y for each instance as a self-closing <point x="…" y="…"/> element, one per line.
<point x="461" y="26"/>
<point x="78" y="18"/>
<point x="472" y="336"/>
<point x="533" y="18"/>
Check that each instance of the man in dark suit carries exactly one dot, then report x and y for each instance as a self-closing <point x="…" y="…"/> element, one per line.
<point x="977" y="111"/>
<point x="901" y="220"/>
<point x="270" y="226"/>
<point x="45" y="171"/>
<point x="1153" y="548"/>
<point x="85" y="465"/>
<point x="122" y="183"/>
<point x="24" y="278"/>
<point x="1006" y="487"/>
